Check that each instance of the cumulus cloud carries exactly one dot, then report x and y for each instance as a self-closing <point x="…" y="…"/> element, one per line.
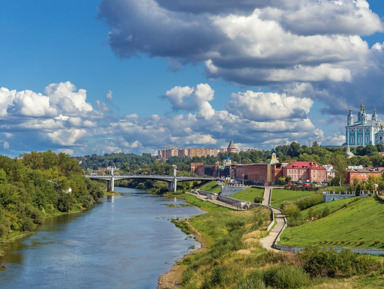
<point x="254" y="119"/>
<point x="59" y="118"/>
<point x="268" y="39"/>
<point x="275" y="44"/>
<point x="188" y="98"/>
<point x="261" y="106"/>
<point x="251" y="118"/>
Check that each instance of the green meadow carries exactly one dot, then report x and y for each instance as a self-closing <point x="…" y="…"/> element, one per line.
<point x="211" y="187"/>
<point x="249" y="194"/>
<point x="353" y="223"/>
<point x="281" y="195"/>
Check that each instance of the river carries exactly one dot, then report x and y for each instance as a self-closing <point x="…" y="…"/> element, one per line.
<point x="127" y="243"/>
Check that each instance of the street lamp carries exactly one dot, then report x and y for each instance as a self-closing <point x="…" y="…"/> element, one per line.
<point x="174" y="170"/>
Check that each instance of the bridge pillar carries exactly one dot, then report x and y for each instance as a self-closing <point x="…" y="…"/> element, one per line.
<point x="111" y="184"/>
<point x="172" y="186"/>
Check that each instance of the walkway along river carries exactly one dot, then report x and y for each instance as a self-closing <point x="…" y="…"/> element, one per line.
<point x="125" y="244"/>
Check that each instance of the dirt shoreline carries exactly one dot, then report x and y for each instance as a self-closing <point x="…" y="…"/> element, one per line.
<point x="172" y="279"/>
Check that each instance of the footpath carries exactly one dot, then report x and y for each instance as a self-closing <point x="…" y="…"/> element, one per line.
<point x="279" y="219"/>
<point x="268" y="241"/>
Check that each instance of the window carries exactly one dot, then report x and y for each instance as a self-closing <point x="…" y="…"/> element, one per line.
<point x="352" y="140"/>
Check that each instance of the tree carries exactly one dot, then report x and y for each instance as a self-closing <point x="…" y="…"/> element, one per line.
<point x="340" y="165"/>
<point x="294" y="150"/>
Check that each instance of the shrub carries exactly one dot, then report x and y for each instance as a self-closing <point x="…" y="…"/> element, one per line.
<point x="329" y="263"/>
<point x="27" y="225"/>
<point x="285" y="277"/>
<point x="65" y="203"/>
<point x="288" y="208"/>
<point x="258" y="199"/>
<point x="309" y="201"/>
<point x="252" y="281"/>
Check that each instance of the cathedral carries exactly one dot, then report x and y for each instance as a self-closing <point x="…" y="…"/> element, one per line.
<point x="364" y="131"/>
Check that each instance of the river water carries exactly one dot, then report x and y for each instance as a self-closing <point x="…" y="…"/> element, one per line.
<point x="127" y="243"/>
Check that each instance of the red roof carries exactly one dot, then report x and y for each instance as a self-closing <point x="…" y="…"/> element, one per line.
<point x="304" y="165"/>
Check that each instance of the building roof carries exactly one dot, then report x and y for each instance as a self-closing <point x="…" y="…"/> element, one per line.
<point x="304" y="165"/>
<point x="367" y="170"/>
<point x="232" y="145"/>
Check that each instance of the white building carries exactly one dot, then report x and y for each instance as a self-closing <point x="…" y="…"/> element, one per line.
<point x="365" y="130"/>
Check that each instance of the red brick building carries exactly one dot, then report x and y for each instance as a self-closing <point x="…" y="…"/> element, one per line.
<point x="363" y="174"/>
<point x="305" y="171"/>
<point x="254" y="173"/>
<point x="260" y="173"/>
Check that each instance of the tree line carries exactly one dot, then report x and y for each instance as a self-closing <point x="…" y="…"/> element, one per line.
<point x="37" y="185"/>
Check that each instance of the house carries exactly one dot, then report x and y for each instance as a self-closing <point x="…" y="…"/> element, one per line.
<point x="305" y="171"/>
<point x="362" y="174"/>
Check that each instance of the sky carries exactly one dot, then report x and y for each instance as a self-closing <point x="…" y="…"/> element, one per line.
<point x="134" y="76"/>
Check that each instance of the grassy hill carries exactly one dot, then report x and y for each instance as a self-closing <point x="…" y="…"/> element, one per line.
<point x="248" y="194"/>
<point x="356" y="224"/>
<point x="280" y="195"/>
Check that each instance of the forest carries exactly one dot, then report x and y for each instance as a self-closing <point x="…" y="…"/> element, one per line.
<point x="38" y="185"/>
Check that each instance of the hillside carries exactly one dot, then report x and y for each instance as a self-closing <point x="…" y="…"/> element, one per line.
<point x="356" y="224"/>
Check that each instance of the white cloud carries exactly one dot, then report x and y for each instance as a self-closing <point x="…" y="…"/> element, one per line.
<point x="247" y="42"/>
<point x="67" y="137"/>
<point x="109" y="95"/>
<point x="261" y="106"/>
<point x="6" y="145"/>
<point x="193" y="99"/>
<point x="275" y="44"/>
<point x="64" y="98"/>
<point x="33" y="120"/>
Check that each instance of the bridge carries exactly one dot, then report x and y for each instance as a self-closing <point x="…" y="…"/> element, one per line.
<point x="172" y="180"/>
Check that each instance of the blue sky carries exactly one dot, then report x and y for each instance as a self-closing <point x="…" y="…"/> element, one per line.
<point x="86" y="77"/>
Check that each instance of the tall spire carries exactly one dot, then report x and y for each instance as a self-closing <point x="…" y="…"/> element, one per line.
<point x="350" y="117"/>
<point x="374" y="115"/>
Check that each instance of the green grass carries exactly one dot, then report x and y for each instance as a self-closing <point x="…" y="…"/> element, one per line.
<point x="358" y="225"/>
<point x="221" y="265"/>
<point x="211" y="187"/>
<point x="281" y="195"/>
<point x="206" y="206"/>
<point x="332" y="206"/>
<point x="248" y="194"/>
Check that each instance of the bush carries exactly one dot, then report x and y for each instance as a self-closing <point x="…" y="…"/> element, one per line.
<point x="285" y="277"/>
<point x="65" y="203"/>
<point x="307" y="202"/>
<point x="288" y="208"/>
<point x="258" y="199"/>
<point x="252" y="281"/>
<point x="329" y="263"/>
<point x="27" y="225"/>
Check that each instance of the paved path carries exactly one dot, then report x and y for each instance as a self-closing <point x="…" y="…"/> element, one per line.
<point x="267" y="196"/>
<point x="268" y="241"/>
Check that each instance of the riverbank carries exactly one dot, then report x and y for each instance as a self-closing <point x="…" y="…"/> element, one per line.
<point x="174" y="276"/>
<point x="227" y="231"/>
